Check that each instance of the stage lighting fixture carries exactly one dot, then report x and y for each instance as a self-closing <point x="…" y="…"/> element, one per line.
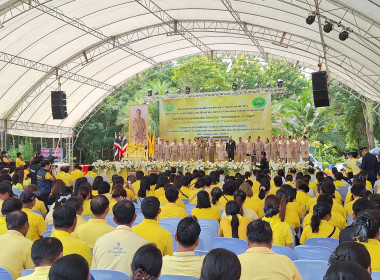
<point x="218" y="88"/>
<point x="343" y="35"/>
<point x="178" y="91"/>
<point x="201" y="89"/>
<point x="166" y="92"/>
<point x="156" y="92"/>
<point x="242" y="86"/>
<point x="150" y="92"/>
<point x="310" y="19"/>
<point x="187" y="90"/>
<point x="328" y="27"/>
<point x="268" y="85"/>
<point x="234" y="86"/>
<point x="257" y="85"/>
<point x="279" y="83"/>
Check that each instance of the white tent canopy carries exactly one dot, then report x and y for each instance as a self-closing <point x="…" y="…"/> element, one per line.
<point x="94" y="46"/>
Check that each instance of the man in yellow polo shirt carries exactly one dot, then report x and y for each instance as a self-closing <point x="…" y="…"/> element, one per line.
<point x="5" y="158"/>
<point x="149" y="228"/>
<point x="5" y="190"/>
<point x="259" y="260"/>
<point x="15" y="248"/>
<point x="65" y="220"/>
<point x="136" y="185"/>
<point x="36" y="222"/>
<point x="77" y="203"/>
<point x="90" y="172"/>
<point x="171" y="209"/>
<point x="97" y="226"/>
<point x="65" y="175"/>
<point x="10" y="204"/>
<point x="44" y="253"/>
<point x="356" y="192"/>
<point x="184" y="262"/>
<point x="116" y="249"/>
<point x="19" y="160"/>
<point x="77" y="173"/>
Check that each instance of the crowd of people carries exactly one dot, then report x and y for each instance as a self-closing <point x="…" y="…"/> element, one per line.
<point x="290" y="150"/>
<point x="255" y="207"/>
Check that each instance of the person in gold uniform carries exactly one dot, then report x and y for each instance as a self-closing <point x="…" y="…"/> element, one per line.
<point x="211" y="149"/>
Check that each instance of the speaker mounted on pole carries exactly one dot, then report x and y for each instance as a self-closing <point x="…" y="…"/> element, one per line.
<point x="58" y="105"/>
<point x="320" y="89"/>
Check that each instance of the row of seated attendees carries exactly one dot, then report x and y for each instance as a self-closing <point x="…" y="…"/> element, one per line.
<point x="233" y="201"/>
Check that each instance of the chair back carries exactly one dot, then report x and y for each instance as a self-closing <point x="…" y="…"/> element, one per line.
<point x="189" y="208"/>
<point x="311" y="269"/>
<point x="185" y="201"/>
<point x="350" y="220"/>
<point x="171" y="221"/>
<point x="50" y="227"/>
<point x="90" y="179"/>
<point x="331" y="243"/>
<point x="4" y="274"/>
<point x="139" y="219"/>
<point x="209" y="230"/>
<point x="105" y="177"/>
<point x="201" y="245"/>
<point x="176" y="277"/>
<point x="107" y="274"/>
<point x="16" y="192"/>
<point x="200" y="253"/>
<point x="375" y="275"/>
<point x="343" y="192"/>
<point x="109" y="220"/>
<point x="307" y="252"/>
<point x="294" y="237"/>
<point x="238" y="246"/>
<point x="26" y="272"/>
<point x="282" y="250"/>
<point x="86" y="218"/>
<point x="46" y="233"/>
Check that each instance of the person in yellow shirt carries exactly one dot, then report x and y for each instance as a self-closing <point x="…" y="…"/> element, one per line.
<point x="116" y="248"/>
<point x="77" y="204"/>
<point x="10" y="204"/>
<point x="303" y="195"/>
<point x="319" y="226"/>
<point x="356" y="181"/>
<point x="352" y="163"/>
<point x="136" y="185"/>
<point x="105" y="189"/>
<point x="5" y="158"/>
<point x="5" y="192"/>
<point x="282" y="234"/>
<point x="184" y="262"/>
<point x="19" y="160"/>
<point x="118" y="194"/>
<point x="65" y="176"/>
<point x="40" y="205"/>
<point x="204" y="209"/>
<point x="149" y="228"/>
<point x="65" y="220"/>
<point x="356" y="192"/>
<point x="184" y="190"/>
<point x="97" y="226"/>
<point x="144" y="189"/>
<point x="234" y="225"/>
<point x="216" y="194"/>
<point x="200" y="184"/>
<point x="240" y="199"/>
<point x="85" y="194"/>
<point x="44" y="253"/>
<point x="91" y="172"/>
<point x="36" y="221"/>
<point x="259" y="259"/>
<point x="171" y="209"/>
<point x="229" y="188"/>
<point x="15" y="248"/>
<point x="292" y="204"/>
<point x="27" y="180"/>
<point x="77" y="172"/>
<point x="278" y="182"/>
<point x="291" y="217"/>
<point x="16" y="182"/>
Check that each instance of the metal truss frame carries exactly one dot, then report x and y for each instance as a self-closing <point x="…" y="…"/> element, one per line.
<point x="7" y="125"/>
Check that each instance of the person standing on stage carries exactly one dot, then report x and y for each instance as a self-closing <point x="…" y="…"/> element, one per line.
<point x="189" y="150"/>
<point x="273" y="149"/>
<point x="197" y="151"/>
<point x="221" y="150"/>
<point x="296" y="148"/>
<point x="211" y="149"/>
<point x="259" y="147"/>
<point x="267" y="149"/>
<point x="240" y="150"/>
<point x="202" y="149"/>
<point x="289" y="149"/>
<point x="250" y="147"/>
<point x="138" y="128"/>
<point x="182" y="150"/>
<point x="174" y="150"/>
<point x="156" y="147"/>
<point x="282" y="147"/>
<point x="369" y="165"/>
<point x="305" y="149"/>
<point x="167" y="150"/>
<point x="231" y="149"/>
<point x="161" y="153"/>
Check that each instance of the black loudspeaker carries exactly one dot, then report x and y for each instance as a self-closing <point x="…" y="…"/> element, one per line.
<point x="320" y="89"/>
<point x="58" y="105"/>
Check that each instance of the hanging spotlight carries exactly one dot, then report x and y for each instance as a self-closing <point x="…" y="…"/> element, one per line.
<point x="279" y="83"/>
<point x="218" y="88"/>
<point x="343" y="35"/>
<point x="268" y="85"/>
<point x="201" y="89"/>
<point x="257" y="85"/>
<point x="156" y="92"/>
<point x="187" y="90"/>
<point x="328" y="27"/>
<point x="242" y="86"/>
<point x="150" y="92"/>
<point x="166" y="91"/>
<point x="310" y="19"/>
<point x="178" y="91"/>
<point x="234" y="86"/>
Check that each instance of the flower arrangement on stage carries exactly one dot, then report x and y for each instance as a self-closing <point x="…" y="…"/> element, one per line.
<point x="300" y="166"/>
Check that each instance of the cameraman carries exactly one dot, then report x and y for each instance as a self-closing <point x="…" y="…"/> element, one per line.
<point x="34" y="169"/>
<point x="45" y="180"/>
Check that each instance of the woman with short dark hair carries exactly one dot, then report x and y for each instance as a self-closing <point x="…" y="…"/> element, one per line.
<point x="204" y="209"/>
<point x="70" y="267"/>
<point x="221" y="264"/>
<point x="146" y="263"/>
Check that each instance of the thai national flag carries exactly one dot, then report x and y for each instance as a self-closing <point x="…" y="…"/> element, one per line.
<point x="117" y="146"/>
<point x="125" y="145"/>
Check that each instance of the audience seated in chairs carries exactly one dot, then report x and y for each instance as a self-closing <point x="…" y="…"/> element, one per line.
<point x="36" y="222"/>
<point x="221" y="264"/>
<point x="204" y="209"/>
<point x="234" y="225"/>
<point x="77" y="203"/>
<point x="171" y="209"/>
<point x="10" y="204"/>
<point x="146" y="263"/>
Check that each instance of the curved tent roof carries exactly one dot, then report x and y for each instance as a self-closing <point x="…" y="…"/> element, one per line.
<point x="94" y="46"/>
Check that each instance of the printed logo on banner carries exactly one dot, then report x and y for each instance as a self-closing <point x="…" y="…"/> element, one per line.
<point x="258" y="102"/>
<point x="169" y="107"/>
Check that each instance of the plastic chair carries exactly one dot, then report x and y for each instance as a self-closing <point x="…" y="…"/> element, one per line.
<point x="176" y="277"/>
<point x="200" y="253"/>
<point x="86" y="218"/>
<point x="105" y="177"/>
<point x="282" y="250"/>
<point x="26" y="272"/>
<point x="109" y="219"/>
<point x="37" y="212"/>
<point x="139" y="219"/>
<point x="171" y="221"/>
<point x="350" y="220"/>
<point x="375" y="275"/>
<point x="90" y="179"/>
<point x="137" y="209"/>
<point x="201" y="245"/>
<point x="343" y="192"/>
<point x="238" y="246"/>
<point x="50" y="227"/>
<point x="189" y="208"/>
<point x="209" y="230"/>
<point x="294" y="237"/>
<point x="104" y="274"/>
<point x="46" y="233"/>
<point x="185" y="201"/>
<point x="311" y="269"/>
<point x="331" y="243"/>
<point x="306" y="252"/>
<point x="4" y="274"/>
<point x="16" y="192"/>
